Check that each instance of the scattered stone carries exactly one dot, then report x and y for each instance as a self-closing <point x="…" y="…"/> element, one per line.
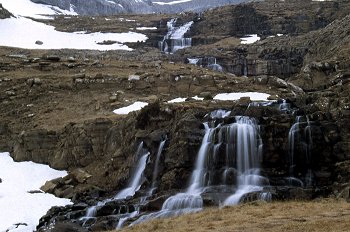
<point x="53" y="58"/>
<point x="107" y="42"/>
<point x="273" y="98"/>
<point x="38" y="42"/>
<point x="244" y="101"/>
<point x="134" y="78"/>
<point x="50" y="186"/>
<point x="71" y="59"/>
<point x="79" y="175"/>
<point x="34" y="191"/>
<point x="113" y="98"/>
<point x="206" y="95"/>
<point x="79" y="76"/>
<point x="37" y="81"/>
<point x="18" y="56"/>
<point x="10" y="93"/>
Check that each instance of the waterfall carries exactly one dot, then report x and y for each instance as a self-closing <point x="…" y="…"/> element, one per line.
<point x="135" y="213"/>
<point x="133" y="186"/>
<point x="207" y="62"/>
<point x="284" y="106"/>
<point x="293" y="132"/>
<point x="248" y="150"/>
<point x="300" y="135"/>
<point x="174" y="39"/>
<point x="225" y="151"/>
<point x="156" y="167"/>
<point x="136" y="180"/>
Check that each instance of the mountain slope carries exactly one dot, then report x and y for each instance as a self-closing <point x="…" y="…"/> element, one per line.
<point x="109" y="7"/>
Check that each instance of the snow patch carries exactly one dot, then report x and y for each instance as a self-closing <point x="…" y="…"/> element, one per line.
<point x="134" y="107"/>
<point x="27" y="8"/>
<point x="16" y="204"/>
<point x="254" y="96"/>
<point x="249" y="39"/>
<point x="22" y="32"/>
<point x="177" y="100"/>
<point x="146" y="28"/>
<point x="171" y="3"/>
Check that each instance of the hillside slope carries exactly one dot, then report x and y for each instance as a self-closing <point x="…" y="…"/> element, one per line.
<point x="110" y="7"/>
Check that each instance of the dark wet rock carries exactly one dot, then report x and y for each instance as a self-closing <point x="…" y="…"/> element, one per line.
<point x="4" y="13"/>
<point x="67" y="227"/>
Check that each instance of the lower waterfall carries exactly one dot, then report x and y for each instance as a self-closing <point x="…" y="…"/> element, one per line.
<point x="229" y="156"/>
<point x="300" y="137"/>
<point x="133" y="186"/>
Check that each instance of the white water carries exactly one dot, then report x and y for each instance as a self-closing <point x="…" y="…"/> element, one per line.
<point x="156" y="166"/>
<point x="127" y="216"/>
<point x="241" y="142"/>
<point x="248" y="156"/>
<point x="174" y="39"/>
<point x="133" y="186"/>
<point x="284" y="106"/>
<point x="136" y="180"/>
<point x="208" y="62"/>
<point x="300" y="133"/>
<point x="198" y="175"/>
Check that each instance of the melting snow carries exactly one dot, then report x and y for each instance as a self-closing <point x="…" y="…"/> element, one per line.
<point x="177" y="100"/>
<point x="249" y="39"/>
<point x="181" y="99"/>
<point x="146" y="28"/>
<point x="16" y="204"/>
<point x="171" y="3"/>
<point x="22" y="32"/>
<point x="254" y="96"/>
<point x="29" y="9"/>
<point x="134" y="107"/>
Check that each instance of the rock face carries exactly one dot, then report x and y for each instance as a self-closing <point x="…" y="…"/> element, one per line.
<point x="184" y="131"/>
<point x="103" y="7"/>
<point x="4" y="13"/>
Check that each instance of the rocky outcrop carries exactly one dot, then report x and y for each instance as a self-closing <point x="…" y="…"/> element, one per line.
<point x="4" y="13"/>
<point x="182" y="126"/>
<point x="269" y="17"/>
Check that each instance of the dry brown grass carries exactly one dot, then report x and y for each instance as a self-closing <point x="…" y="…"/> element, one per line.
<point x="325" y="215"/>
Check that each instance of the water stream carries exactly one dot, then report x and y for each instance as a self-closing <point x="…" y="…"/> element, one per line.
<point x="174" y="39"/>
<point x="226" y="150"/>
<point x="300" y="137"/>
<point x="133" y="186"/>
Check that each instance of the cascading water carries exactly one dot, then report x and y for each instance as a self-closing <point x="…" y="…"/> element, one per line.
<point x="190" y="201"/>
<point x="156" y="167"/>
<point x="133" y="186"/>
<point x="174" y="39"/>
<point x="248" y="156"/>
<point x="225" y="151"/>
<point x="293" y="132"/>
<point x="208" y="62"/>
<point x="300" y="135"/>
<point x="135" y="213"/>
<point x="284" y="106"/>
<point x="136" y="180"/>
